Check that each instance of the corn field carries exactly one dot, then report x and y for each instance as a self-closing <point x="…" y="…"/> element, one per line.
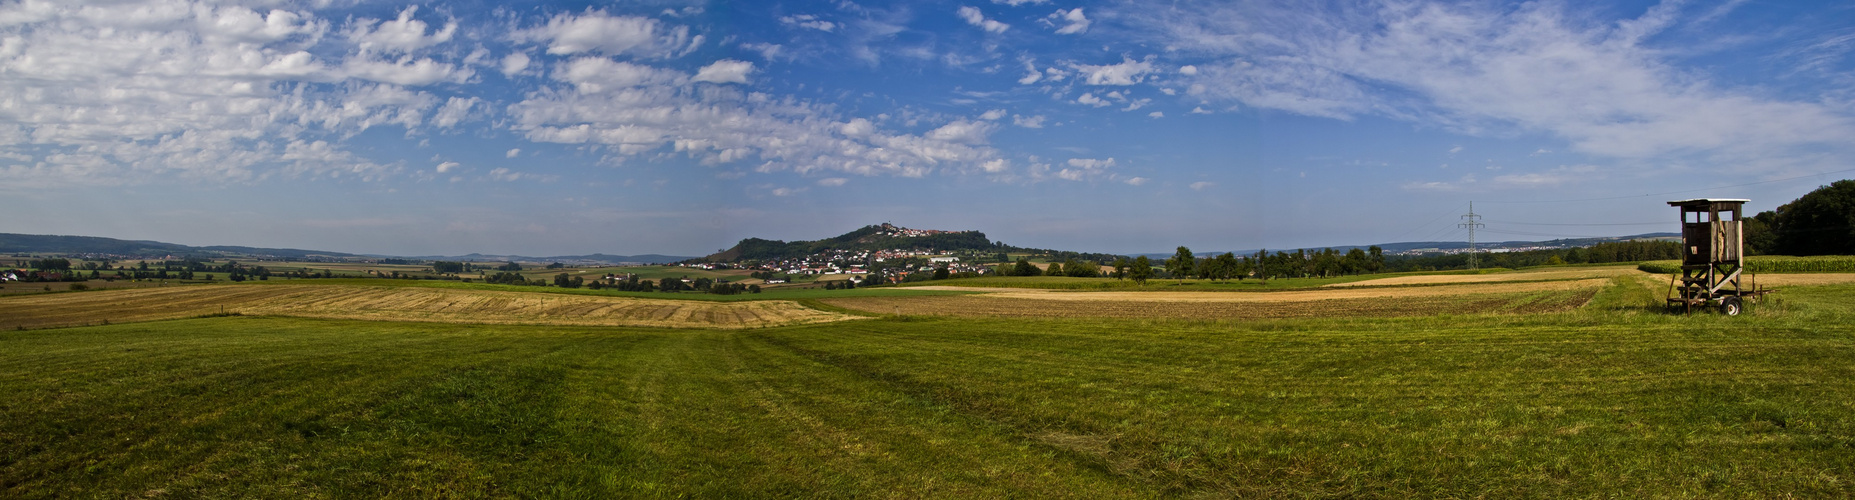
<point x="1771" y="264"/>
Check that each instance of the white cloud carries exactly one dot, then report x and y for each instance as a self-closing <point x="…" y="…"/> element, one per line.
<point x="992" y="115"/>
<point x="1455" y="150"/>
<point x="447" y="167"/>
<point x="1091" y="163"/>
<point x="768" y="51"/>
<point x="1480" y="69"/>
<point x="725" y="71"/>
<point x="809" y="21"/>
<point x="454" y="111"/>
<point x="997" y="166"/>
<point x="1127" y="72"/>
<point x="1202" y="185"/>
<point x="1015" y="3"/>
<point x="1027" y="121"/>
<point x="1199" y="110"/>
<point x="654" y="114"/>
<point x="1135" y="181"/>
<point x="177" y="89"/>
<point x="1188" y="70"/>
<point x="599" y="32"/>
<point x="1072" y="20"/>
<point x="973" y="16"/>
<point x="832" y="181"/>
<point x="1089" y="99"/>
<point x="786" y="191"/>
<point x="505" y="175"/>
<point x="405" y="71"/>
<point x="962" y="131"/>
<point x="513" y="153"/>
<point x="398" y="36"/>
<point x="1156" y="114"/>
<point x="598" y="74"/>
<point x="514" y="63"/>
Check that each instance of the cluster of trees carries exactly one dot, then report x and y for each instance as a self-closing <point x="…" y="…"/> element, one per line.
<point x="635" y="284"/>
<point x="1071" y="267"/>
<point x="448" y="267"/>
<point x="1601" y="253"/>
<point x="1821" y="222"/>
<point x="770" y="275"/>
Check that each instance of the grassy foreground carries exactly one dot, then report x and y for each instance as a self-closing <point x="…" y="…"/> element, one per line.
<point x="1604" y="402"/>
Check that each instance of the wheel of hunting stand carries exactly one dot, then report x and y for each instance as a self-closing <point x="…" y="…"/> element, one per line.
<point x="1731" y="306"/>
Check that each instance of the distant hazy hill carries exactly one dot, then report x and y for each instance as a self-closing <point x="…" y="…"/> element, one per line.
<point x="873" y="237"/>
<point x="39" y="243"/>
<point x="20" y="243"/>
<point x="597" y="258"/>
<point x="1454" y="245"/>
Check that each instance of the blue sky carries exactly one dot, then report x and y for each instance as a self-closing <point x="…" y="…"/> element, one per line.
<point x="550" y="128"/>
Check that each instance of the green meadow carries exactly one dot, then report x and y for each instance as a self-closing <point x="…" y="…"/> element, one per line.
<point x="1613" y="400"/>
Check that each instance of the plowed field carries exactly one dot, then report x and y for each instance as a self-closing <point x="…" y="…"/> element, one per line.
<point x="1545" y="275"/>
<point x="395" y="304"/>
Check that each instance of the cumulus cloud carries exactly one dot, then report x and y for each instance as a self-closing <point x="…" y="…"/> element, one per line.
<point x="398" y="36"/>
<point x="725" y="71"/>
<point x="204" y="90"/>
<point x="447" y="167"/>
<point x="514" y="152"/>
<point x="514" y="63"/>
<point x="455" y="110"/>
<point x="1135" y="181"/>
<point x="992" y="115"/>
<point x="973" y="16"/>
<point x="1127" y="72"/>
<point x="1089" y="99"/>
<point x="1027" y="121"/>
<point x="602" y="33"/>
<point x="652" y="112"/>
<point x="1072" y="21"/>
<point x="809" y="21"/>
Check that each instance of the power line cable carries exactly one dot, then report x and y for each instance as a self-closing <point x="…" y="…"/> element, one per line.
<point x="1663" y="223"/>
<point x="1682" y="191"/>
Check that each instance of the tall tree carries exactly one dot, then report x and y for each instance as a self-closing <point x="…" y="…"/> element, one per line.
<point x="1120" y="267"/>
<point x="1180" y="265"/>
<point x="1142" y="270"/>
<point x="1821" y="222"/>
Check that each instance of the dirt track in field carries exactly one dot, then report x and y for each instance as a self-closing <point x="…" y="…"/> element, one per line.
<point x="1541" y="275"/>
<point x="1808" y="279"/>
<point x="434" y="305"/>
<point x="1283" y="296"/>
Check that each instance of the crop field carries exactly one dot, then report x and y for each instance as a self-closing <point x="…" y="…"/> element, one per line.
<point x="1606" y="401"/>
<point x="395" y="304"/>
<point x="1772" y="264"/>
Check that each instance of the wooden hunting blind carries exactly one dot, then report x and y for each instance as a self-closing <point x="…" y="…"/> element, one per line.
<point x="1712" y="257"/>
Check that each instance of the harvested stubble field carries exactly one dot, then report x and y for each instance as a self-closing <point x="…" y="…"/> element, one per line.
<point x="437" y="305"/>
<point x="1529" y="275"/>
<point x="1534" y="297"/>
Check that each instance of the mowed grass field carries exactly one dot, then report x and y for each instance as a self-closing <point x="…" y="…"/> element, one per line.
<point x="396" y="303"/>
<point x="1611" y="399"/>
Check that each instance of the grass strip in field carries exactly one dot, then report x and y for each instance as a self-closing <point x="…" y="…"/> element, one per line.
<point x="437" y="305"/>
